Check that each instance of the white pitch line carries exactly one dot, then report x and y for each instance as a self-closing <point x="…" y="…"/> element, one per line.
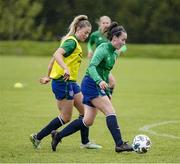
<point x="147" y="128"/>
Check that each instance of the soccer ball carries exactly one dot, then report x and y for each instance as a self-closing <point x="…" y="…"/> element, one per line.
<point x="141" y="144"/>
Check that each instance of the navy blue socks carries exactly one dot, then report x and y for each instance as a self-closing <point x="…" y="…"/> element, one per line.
<point x="84" y="133"/>
<point x="113" y="127"/>
<point x="73" y="127"/>
<point x="53" y="125"/>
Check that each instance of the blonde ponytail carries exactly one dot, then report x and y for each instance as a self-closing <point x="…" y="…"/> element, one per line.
<point x="79" y="21"/>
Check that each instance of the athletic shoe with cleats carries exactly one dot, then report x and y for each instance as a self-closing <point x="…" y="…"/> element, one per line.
<point x="35" y="141"/>
<point x="91" y="145"/>
<point x="54" y="141"/>
<point x="123" y="147"/>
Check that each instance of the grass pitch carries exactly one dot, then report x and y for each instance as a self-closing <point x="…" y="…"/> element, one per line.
<point x="147" y="92"/>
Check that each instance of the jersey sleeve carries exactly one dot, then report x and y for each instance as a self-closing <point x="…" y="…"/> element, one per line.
<point x="90" y="43"/>
<point x="68" y="46"/>
<point x="95" y="61"/>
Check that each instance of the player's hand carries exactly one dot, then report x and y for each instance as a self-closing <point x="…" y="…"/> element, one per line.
<point x="123" y="49"/>
<point x="66" y="75"/>
<point x="44" y="80"/>
<point x="103" y="85"/>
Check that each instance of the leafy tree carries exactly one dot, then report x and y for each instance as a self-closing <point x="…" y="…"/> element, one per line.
<point x="165" y="22"/>
<point x="146" y="21"/>
<point x="17" y="19"/>
<point x="151" y="21"/>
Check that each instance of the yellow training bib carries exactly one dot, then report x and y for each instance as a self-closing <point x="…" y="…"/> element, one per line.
<point x="73" y="62"/>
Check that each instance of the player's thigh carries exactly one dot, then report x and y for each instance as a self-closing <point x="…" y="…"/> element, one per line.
<point x="89" y="115"/>
<point x="103" y="104"/>
<point x="78" y="103"/>
<point x="66" y="107"/>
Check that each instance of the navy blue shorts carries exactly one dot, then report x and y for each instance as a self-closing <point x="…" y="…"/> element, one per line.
<point x="65" y="90"/>
<point x="90" y="90"/>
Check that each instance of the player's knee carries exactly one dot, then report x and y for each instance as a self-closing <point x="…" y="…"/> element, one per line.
<point x="109" y="111"/>
<point x="88" y="123"/>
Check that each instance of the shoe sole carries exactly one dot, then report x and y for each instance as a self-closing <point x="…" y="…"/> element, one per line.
<point x="124" y="151"/>
<point x="88" y="147"/>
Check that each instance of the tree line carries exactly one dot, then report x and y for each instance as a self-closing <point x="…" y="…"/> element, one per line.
<point x="146" y="21"/>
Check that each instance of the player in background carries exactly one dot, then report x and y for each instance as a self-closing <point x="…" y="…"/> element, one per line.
<point x="63" y="71"/>
<point x="96" y="93"/>
<point x="98" y="37"/>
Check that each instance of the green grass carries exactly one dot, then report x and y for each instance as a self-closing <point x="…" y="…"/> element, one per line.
<point x="27" y="48"/>
<point x="147" y="92"/>
<point x="34" y="48"/>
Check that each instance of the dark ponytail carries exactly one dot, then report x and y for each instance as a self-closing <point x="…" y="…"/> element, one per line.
<point x="114" y="30"/>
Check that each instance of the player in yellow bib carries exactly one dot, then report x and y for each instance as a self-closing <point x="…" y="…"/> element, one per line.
<point x="63" y="71"/>
<point x="72" y="60"/>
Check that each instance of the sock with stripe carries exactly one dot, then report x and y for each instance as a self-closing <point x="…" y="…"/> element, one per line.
<point x="53" y="125"/>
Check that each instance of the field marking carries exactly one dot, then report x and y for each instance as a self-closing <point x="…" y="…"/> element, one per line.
<point x="147" y="128"/>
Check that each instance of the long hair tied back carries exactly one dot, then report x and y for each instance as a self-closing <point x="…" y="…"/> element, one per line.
<point x="79" y="21"/>
<point x="114" y="30"/>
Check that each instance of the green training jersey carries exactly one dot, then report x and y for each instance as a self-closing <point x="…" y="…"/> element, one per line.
<point x="102" y="62"/>
<point x="95" y="39"/>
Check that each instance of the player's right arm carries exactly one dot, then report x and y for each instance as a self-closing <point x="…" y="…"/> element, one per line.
<point x="64" y="50"/>
<point x="98" y="56"/>
<point x="46" y="79"/>
<point x="58" y="55"/>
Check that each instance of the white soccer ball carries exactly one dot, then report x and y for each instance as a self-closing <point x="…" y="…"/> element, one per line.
<point x="141" y="143"/>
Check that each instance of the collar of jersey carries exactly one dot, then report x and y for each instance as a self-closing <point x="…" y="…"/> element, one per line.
<point x="111" y="46"/>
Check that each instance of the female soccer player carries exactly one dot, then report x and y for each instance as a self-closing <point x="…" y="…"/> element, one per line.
<point x="98" y="37"/>
<point x="63" y="70"/>
<point x="95" y="90"/>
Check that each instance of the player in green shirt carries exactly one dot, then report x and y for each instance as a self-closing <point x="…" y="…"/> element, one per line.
<point x="98" y="37"/>
<point x="95" y="88"/>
